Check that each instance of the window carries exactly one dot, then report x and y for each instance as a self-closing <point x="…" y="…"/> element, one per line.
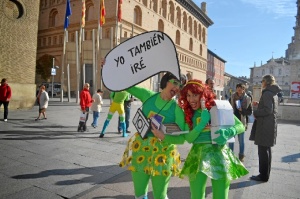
<point x="55" y="40"/>
<point x="53" y="18"/>
<point x="279" y="71"/>
<point x="89" y="13"/>
<point x="191" y="44"/>
<point x="172" y="11"/>
<point x="263" y="72"/>
<point x="49" y="41"/>
<point x="161" y="25"/>
<point x="178" y="17"/>
<point x="201" y="50"/>
<point x="137" y="16"/>
<point x="177" y="41"/>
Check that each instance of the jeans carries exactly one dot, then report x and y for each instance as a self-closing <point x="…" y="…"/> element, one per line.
<point x="5" y="104"/>
<point x="127" y="117"/>
<point x="241" y="142"/>
<point x="96" y="115"/>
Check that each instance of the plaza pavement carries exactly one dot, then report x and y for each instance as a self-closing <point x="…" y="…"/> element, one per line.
<point x="50" y="159"/>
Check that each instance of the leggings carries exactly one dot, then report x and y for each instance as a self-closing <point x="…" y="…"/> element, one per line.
<point x="159" y="185"/>
<point x="220" y="188"/>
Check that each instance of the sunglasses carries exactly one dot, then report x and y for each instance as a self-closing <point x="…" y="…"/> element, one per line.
<point x="175" y="82"/>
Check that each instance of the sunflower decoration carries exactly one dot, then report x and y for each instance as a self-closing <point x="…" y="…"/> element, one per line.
<point x="156" y="173"/>
<point x="165" y="149"/>
<point x="150" y="159"/>
<point x="153" y="140"/>
<point x="121" y="164"/>
<point x="147" y="170"/>
<point x="131" y="168"/>
<point x="165" y="172"/>
<point x="146" y="148"/>
<point x="128" y="160"/>
<point x="155" y="149"/>
<point x="160" y="160"/>
<point x="136" y="145"/>
<point x="140" y="159"/>
<point x="172" y="153"/>
<point x="177" y="159"/>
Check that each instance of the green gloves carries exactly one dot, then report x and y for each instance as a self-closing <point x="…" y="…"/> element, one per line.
<point x="193" y="134"/>
<point x="225" y="134"/>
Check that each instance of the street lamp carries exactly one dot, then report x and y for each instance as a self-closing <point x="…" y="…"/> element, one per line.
<point x="53" y="72"/>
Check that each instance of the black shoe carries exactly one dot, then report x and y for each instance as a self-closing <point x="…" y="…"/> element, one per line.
<point x="119" y="131"/>
<point x="259" y="178"/>
<point x="128" y="131"/>
<point x="101" y="135"/>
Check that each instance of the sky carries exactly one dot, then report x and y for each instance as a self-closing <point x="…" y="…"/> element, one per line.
<point x="249" y="31"/>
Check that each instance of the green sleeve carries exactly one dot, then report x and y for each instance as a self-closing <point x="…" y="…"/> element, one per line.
<point x="238" y="125"/>
<point x="111" y="95"/>
<point x="141" y="93"/>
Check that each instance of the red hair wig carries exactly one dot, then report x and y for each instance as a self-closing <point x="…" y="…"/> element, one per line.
<point x="196" y="87"/>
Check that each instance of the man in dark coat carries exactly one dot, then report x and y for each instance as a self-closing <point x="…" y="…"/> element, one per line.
<point x="266" y="127"/>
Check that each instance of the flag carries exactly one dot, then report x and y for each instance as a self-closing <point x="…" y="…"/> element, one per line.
<point x="120" y="10"/>
<point x="83" y="14"/>
<point x="68" y="14"/>
<point x="102" y="13"/>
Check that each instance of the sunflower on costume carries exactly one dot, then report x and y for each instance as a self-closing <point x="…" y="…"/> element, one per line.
<point x="153" y="140"/>
<point x="146" y="148"/>
<point x="140" y="159"/>
<point x="150" y="159"/>
<point x="128" y="161"/>
<point x="155" y="149"/>
<point x="165" y="172"/>
<point x="121" y="164"/>
<point x="165" y="149"/>
<point x="136" y="145"/>
<point x="147" y="170"/>
<point x="172" y="153"/>
<point x="131" y="168"/>
<point x="160" y="160"/>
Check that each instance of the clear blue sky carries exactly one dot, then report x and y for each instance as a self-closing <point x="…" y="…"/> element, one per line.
<point x="248" y="31"/>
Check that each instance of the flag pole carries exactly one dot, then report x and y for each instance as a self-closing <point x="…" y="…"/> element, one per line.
<point x="117" y="21"/>
<point x="63" y="67"/>
<point x="77" y="66"/>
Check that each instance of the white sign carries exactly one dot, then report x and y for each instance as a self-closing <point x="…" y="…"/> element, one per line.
<point x="295" y="90"/>
<point x="139" y="58"/>
<point x="53" y="71"/>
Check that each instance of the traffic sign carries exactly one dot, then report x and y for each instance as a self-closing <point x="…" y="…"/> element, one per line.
<point x="53" y="71"/>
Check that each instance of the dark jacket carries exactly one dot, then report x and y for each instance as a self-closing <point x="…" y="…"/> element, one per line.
<point x="5" y="92"/>
<point x="266" y="116"/>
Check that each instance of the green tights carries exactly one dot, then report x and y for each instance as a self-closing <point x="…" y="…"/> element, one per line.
<point x="220" y="188"/>
<point x="159" y="185"/>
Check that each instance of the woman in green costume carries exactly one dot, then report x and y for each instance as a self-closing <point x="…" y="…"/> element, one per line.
<point x="205" y="160"/>
<point x="150" y="158"/>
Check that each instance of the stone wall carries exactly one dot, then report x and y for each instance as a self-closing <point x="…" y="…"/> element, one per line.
<point x="18" y="43"/>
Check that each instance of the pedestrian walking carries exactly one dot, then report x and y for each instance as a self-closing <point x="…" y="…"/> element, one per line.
<point x="242" y="108"/>
<point x="85" y="104"/>
<point x="96" y="107"/>
<point x="266" y="126"/>
<point x="5" y="96"/>
<point x="127" y="107"/>
<point x="43" y="100"/>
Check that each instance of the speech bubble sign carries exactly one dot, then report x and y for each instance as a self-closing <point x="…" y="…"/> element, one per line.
<point x="139" y="58"/>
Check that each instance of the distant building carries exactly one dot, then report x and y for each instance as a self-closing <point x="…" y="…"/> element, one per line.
<point x="215" y="71"/>
<point x="182" y="20"/>
<point x="286" y="70"/>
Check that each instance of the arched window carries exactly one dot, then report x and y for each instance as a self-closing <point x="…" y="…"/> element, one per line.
<point x="271" y="70"/>
<point x="161" y="25"/>
<point x="190" y="25"/>
<point x="53" y="18"/>
<point x="153" y="5"/>
<point x="203" y="35"/>
<point x="279" y="71"/>
<point x="145" y="3"/>
<point x="185" y="21"/>
<point x="201" y="50"/>
<point x="177" y="37"/>
<point x="172" y="11"/>
<point x="199" y="31"/>
<point x="263" y="71"/>
<point x="178" y="17"/>
<point x="191" y="44"/>
<point x="195" y="28"/>
<point x="164" y="8"/>
<point x="89" y="13"/>
<point x="137" y="16"/>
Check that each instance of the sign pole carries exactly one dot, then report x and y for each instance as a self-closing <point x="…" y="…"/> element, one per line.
<point x="52" y="76"/>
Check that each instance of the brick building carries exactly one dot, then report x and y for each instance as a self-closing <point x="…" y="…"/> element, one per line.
<point x="182" y="20"/>
<point x="18" y="43"/>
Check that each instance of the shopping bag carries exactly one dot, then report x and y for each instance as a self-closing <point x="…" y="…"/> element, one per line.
<point x="82" y="117"/>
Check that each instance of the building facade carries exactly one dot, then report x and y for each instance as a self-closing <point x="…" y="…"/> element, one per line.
<point x="18" y="43"/>
<point x="215" y="71"/>
<point x="182" y="20"/>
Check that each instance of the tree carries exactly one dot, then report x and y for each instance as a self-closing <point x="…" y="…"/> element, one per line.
<point x="44" y="65"/>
